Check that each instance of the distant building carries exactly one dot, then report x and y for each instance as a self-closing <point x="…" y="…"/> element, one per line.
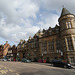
<point x="21" y="49"/>
<point x="29" y="49"/>
<point x="4" y="50"/>
<point x="1" y="51"/>
<point x="53" y="43"/>
<point x="12" y="53"/>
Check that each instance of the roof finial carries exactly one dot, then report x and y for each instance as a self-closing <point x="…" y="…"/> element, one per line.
<point x="63" y="6"/>
<point x="39" y="27"/>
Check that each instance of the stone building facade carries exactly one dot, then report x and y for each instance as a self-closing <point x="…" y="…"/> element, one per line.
<point x="49" y="44"/>
<point x="1" y="51"/>
<point x="59" y="42"/>
<point x="67" y="29"/>
<point x="4" y="50"/>
<point x="12" y="53"/>
<point x="53" y="43"/>
<point x="29" y="49"/>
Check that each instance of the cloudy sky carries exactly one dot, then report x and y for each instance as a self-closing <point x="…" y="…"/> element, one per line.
<point x="20" y="19"/>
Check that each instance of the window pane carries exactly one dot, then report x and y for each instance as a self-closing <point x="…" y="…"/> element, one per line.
<point x="50" y="46"/>
<point x="72" y="59"/>
<point x="44" y="47"/>
<point x="68" y="24"/>
<point x="69" y="42"/>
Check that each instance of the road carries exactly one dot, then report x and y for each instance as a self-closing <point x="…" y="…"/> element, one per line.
<point x="19" y="68"/>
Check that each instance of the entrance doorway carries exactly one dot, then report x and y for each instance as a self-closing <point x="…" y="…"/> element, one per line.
<point x="23" y="55"/>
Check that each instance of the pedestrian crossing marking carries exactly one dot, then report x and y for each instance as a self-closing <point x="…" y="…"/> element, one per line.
<point x="5" y="67"/>
<point x="10" y="70"/>
<point x="3" y="71"/>
<point x="6" y="71"/>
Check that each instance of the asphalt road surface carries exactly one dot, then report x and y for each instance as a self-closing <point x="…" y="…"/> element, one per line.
<point x="19" y="68"/>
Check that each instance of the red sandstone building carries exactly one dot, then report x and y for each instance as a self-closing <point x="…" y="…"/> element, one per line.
<point x="1" y="51"/>
<point x="4" y="50"/>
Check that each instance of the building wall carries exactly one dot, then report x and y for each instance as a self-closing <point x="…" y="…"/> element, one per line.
<point x="67" y="28"/>
<point x="49" y="53"/>
<point x="4" y="50"/>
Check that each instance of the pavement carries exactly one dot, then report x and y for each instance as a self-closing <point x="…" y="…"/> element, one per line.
<point x="33" y="68"/>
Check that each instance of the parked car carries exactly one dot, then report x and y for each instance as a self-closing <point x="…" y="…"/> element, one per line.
<point x="14" y="59"/>
<point x="3" y="59"/>
<point x="59" y="63"/>
<point x="8" y="59"/>
<point x="26" y="60"/>
<point x="18" y="59"/>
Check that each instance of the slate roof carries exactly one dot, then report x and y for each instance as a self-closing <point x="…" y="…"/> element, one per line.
<point x="65" y="12"/>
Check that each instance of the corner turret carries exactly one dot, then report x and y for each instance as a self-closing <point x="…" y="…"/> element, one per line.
<point x="66" y="22"/>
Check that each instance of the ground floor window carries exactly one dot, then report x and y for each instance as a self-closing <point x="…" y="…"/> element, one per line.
<point x="70" y="45"/>
<point x="72" y="60"/>
<point x="23" y="55"/>
<point x="74" y="40"/>
<point x="44" y="47"/>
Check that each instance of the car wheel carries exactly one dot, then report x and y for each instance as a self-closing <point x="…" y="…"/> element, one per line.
<point x="52" y="64"/>
<point x="64" y="66"/>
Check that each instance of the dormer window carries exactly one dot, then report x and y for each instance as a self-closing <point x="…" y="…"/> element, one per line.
<point x="50" y="32"/>
<point x="57" y="30"/>
<point x="68" y="24"/>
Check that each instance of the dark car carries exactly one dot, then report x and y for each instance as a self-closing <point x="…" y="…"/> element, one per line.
<point x="59" y="63"/>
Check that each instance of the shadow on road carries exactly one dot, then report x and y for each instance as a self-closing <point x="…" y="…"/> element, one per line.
<point x="27" y="73"/>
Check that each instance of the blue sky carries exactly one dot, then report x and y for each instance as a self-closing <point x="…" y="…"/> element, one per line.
<point x="20" y="19"/>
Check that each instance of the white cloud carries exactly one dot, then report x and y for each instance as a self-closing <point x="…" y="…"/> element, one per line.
<point x="14" y="33"/>
<point x="20" y="19"/>
<point x="50" y="20"/>
<point x="57" y="4"/>
<point x="14" y="10"/>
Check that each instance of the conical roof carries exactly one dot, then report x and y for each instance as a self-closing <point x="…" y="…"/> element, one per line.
<point x="65" y="12"/>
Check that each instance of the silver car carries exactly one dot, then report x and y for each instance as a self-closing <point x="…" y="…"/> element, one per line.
<point x="3" y="60"/>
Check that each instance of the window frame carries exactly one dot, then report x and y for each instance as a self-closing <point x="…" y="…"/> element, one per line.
<point x="68" y="24"/>
<point x="70" y="44"/>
